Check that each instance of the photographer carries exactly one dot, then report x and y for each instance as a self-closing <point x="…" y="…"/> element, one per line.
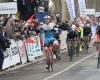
<point x="4" y="43"/>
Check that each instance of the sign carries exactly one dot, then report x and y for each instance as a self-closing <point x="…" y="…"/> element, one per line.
<point x="29" y="43"/>
<point x="22" y="51"/>
<point x="33" y="47"/>
<point x="82" y="5"/>
<point x="37" y="46"/>
<point x="88" y="11"/>
<point x="7" y="59"/>
<point x="97" y="14"/>
<point x="11" y="55"/>
<point x="8" y="8"/>
<point x="14" y="53"/>
<point x="71" y="9"/>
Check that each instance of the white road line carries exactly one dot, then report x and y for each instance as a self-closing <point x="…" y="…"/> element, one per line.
<point x="62" y="71"/>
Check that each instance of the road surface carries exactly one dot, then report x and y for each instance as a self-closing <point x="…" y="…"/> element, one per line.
<point x="82" y="68"/>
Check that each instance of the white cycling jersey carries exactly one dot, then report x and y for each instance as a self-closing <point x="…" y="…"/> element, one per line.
<point x="48" y="27"/>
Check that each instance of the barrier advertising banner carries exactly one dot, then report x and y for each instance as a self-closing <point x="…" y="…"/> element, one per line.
<point x="33" y="47"/>
<point x="22" y="51"/>
<point x="37" y="46"/>
<point x="7" y="59"/>
<point x="15" y="58"/>
<point x="71" y="9"/>
<point x="11" y="55"/>
<point x="29" y="43"/>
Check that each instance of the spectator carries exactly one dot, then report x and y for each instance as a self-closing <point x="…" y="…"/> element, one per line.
<point x="4" y="32"/>
<point x="4" y="43"/>
<point x="17" y="29"/>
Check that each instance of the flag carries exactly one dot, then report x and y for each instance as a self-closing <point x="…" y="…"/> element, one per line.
<point x="18" y="15"/>
<point x="30" y="19"/>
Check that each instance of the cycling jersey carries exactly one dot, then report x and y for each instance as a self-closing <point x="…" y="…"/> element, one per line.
<point x="71" y="35"/>
<point x="48" y="31"/>
<point x="87" y="30"/>
<point x="57" y="32"/>
<point x="80" y="32"/>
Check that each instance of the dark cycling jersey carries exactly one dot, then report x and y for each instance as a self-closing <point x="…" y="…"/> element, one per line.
<point x="72" y="35"/>
<point x="87" y="30"/>
<point x="57" y="32"/>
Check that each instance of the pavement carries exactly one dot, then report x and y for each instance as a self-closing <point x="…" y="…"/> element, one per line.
<point x="82" y="68"/>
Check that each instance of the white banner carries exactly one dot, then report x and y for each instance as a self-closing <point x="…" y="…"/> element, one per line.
<point x="30" y="49"/>
<point x="15" y="58"/>
<point x="22" y="51"/>
<point x="71" y="9"/>
<point x="63" y="37"/>
<point x="33" y="47"/>
<point x="88" y="11"/>
<point x="8" y="8"/>
<point x="97" y="14"/>
<point x="37" y="46"/>
<point x="17" y="51"/>
<point x="11" y="55"/>
<point x="7" y="59"/>
<point x="82" y="5"/>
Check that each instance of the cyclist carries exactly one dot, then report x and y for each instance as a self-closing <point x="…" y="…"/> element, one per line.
<point x="97" y="39"/>
<point x="56" y="42"/>
<point x="57" y="32"/>
<point x="80" y="34"/>
<point x="71" y="37"/>
<point x="48" y="30"/>
<point x="87" y="32"/>
<point x="97" y="42"/>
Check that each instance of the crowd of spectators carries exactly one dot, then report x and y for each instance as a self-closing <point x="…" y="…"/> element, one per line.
<point x="19" y="29"/>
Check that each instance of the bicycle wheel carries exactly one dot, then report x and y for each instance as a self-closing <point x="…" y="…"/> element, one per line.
<point x="72" y="52"/>
<point x="77" y="50"/>
<point x="52" y="67"/>
<point x="86" y="45"/>
<point x="98" y="62"/>
<point x="86" y="48"/>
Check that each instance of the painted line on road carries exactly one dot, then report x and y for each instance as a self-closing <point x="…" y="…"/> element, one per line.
<point x="62" y="71"/>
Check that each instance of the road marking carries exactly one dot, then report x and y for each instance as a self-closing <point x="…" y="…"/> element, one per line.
<point x="62" y="71"/>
